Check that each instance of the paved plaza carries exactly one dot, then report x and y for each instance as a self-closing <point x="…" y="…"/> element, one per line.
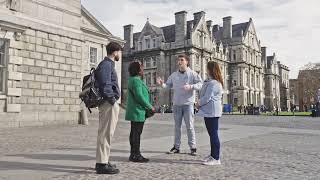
<point x="253" y="147"/>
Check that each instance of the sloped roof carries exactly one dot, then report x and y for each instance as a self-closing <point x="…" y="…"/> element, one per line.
<point x="168" y="32"/>
<point x="236" y="30"/>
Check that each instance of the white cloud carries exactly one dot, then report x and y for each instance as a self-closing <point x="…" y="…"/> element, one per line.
<point x="290" y="28"/>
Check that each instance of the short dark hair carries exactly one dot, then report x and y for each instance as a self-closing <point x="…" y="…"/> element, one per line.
<point x="134" y="68"/>
<point x="186" y="57"/>
<point x="112" y="47"/>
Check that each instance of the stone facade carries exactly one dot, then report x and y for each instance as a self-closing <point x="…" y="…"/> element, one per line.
<point x="284" y="87"/>
<point x="48" y="47"/>
<point x="272" y="80"/>
<point x="235" y="47"/>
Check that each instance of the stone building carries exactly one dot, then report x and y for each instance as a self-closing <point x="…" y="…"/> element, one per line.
<point x="272" y="80"/>
<point x="234" y="46"/>
<point x="46" y="48"/>
<point x="284" y="87"/>
<point x="246" y="68"/>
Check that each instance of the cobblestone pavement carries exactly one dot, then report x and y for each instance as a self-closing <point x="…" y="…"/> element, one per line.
<point x="253" y="147"/>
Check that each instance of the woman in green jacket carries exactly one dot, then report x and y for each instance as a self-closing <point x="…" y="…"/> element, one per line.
<point x="138" y="101"/>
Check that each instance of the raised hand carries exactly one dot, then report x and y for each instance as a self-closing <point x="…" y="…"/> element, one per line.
<point x="159" y="81"/>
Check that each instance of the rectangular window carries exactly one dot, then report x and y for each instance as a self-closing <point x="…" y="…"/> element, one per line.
<point x="93" y="55"/>
<point x="252" y="81"/>
<point x="148" y="63"/>
<point x="234" y="55"/>
<point x="140" y="46"/>
<point x="147" y="43"/>
<point x="154" y="62"/>
<point x="248" y="79"/>
<point x="154" y="75"/>
<point x="154" y="43"/>
<point x="3" y="64"/>
<point x="197" y="60"/>
<point x="148" y="79"/>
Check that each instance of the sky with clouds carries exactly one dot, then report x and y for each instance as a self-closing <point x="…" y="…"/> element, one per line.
<point x="290" y="28"/>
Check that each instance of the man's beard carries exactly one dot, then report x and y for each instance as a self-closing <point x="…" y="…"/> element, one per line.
<point x="116" y="58"/>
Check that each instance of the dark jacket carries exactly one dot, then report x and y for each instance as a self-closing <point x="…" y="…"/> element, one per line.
<point x="107" y="79"/>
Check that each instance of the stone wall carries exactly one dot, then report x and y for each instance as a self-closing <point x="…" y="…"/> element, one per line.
<point x="44" y="77"/>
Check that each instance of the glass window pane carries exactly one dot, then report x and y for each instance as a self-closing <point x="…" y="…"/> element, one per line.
<point x="2" y="46"/>
<point x="1" y="79"/>
<point x="1" y="59"/>
<point x="93" y="55"/>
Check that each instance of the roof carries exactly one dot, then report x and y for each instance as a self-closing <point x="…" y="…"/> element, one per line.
<point x="237" y="30"/>
<point x="168" y="32"/>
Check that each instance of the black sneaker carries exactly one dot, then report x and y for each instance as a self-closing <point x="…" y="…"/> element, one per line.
<point x="138" y="158"/>
<point x="103" y="164"/>
<point x="173" y="151"/>
<point x="193" y="152"/>
<point x="105" y="169"/>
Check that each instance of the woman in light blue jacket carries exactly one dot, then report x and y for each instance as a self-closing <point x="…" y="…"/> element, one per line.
<point x="210" y="107"/>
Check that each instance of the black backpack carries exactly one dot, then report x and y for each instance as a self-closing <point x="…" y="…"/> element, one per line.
<point x="90" y="94"/>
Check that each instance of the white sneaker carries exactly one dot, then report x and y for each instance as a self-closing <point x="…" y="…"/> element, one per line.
<point x="212" y="162"/>
<point x="205" y="159"/>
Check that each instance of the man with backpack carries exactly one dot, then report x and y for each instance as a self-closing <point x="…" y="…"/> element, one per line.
<point x="107" y="82"/>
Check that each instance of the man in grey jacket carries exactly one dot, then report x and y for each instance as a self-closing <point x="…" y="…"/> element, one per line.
<point x="184" y="82"/>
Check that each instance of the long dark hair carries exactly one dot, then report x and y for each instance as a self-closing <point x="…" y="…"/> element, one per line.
<point x="135" y="69"/>
<point x="214" y="71"/>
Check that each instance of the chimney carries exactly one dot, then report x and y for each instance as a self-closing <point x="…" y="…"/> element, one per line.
<point x="128" y="37"/>
<point x="180" y="25"/>
<point x="197" y="16"/>
<point x="227" y="27"/>
<point x="215" y="28"/>
<point x="264" y="55"/>
<point x="209" y="26"/>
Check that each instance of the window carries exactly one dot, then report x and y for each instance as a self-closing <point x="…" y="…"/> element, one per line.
<point x="148" y="43"/>
<point x="241" y="79"/>
<point x="154" y="43"/>
<point x="154" y="62"/>
<point x="148" y="79"/>
<point x="148" y="63"/>
<point x="197" y="60"/>
<point x="93" y="55"/>
<point x="3" y="64"/>
<point x="154" y="75"/>
<point x="234" y="55"/>
<point x="248" y="78"/>
<point x="140" y="46"/>
<point x="245" y="56"/>
<point x="252" y="80"/>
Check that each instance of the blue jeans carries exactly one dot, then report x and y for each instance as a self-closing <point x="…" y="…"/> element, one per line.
<point x="184" y="112"/>
<point x="212" y="124"/>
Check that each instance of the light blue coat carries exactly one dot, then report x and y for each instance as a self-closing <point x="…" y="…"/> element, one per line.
<point x="210" y="99"/>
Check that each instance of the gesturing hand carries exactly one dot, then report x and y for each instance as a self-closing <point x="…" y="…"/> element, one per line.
<point x="159" y="81"/>
<point x="187" y="87"/>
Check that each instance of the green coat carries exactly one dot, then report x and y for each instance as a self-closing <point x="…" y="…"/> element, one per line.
<point x="137" y="105"/>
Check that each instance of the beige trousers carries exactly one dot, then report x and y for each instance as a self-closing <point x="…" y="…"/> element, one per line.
<point x="108" y="118"/>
